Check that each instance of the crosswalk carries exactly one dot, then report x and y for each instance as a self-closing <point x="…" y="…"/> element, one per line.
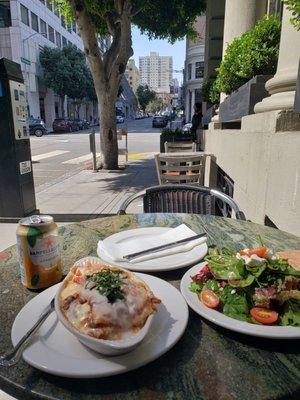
<point x="81" y="159"/>
<point x="49" y="155"/>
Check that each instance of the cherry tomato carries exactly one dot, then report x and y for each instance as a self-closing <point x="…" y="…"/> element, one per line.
<point x="209" y="298"/>
<point x="259" y="251"/>
<point x="264" y="315"/>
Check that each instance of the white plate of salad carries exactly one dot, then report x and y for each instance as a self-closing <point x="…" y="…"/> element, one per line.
<point x="253" y="291"/>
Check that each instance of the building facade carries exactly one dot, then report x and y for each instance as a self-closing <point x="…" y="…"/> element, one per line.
<point x="132" y="75"/>
<point x="157" y="72"/>
<point x="26" y="26"/>
<point x="194" y="68"/>
<point x="260" y="159"/>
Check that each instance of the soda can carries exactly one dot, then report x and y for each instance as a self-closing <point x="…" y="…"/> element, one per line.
<point x="39" y="251"/>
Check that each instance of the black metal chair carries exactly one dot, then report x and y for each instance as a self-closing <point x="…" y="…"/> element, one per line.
<point x="189" y="199"/>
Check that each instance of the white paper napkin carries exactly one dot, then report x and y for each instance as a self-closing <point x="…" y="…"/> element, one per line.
<point x="116" y="251"/>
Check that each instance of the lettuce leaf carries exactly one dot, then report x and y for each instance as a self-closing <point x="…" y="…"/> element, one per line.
<point x="236" y="307"/>
<point x="290" y="315"/>
<point x="195" y="287"/>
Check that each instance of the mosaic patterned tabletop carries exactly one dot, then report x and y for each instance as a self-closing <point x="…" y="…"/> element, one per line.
<point x="208" y="362"/>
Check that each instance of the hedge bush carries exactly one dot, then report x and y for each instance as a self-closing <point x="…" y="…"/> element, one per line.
<point x="294" y="7"/>
<point x="210" y="93"/>
<point x="253" y="53"/>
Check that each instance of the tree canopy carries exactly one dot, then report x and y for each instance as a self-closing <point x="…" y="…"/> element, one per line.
<point x="171" y="20"/>
<point x="66" y="72"/>
<point x="159" y="19"/>
<point x="144" y="96"/>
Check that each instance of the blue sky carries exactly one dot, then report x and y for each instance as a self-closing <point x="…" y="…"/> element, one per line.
<point x="142" y="47"/>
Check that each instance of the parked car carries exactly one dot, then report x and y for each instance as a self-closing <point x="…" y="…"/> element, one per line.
<point x="159" y="121"/>
<point x="86" y="124"/>
<point x="64" y="125"/>
<point x="81" y="123"/>
<point x="78" y="123"/>
<point x="36" y="127"/>
<point x="120" y="119"/>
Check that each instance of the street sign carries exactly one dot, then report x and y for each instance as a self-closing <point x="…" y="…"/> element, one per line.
<point x="25" y="61"/>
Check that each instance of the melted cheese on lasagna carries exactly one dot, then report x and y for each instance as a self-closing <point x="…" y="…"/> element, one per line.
<point x="103" y="311"/>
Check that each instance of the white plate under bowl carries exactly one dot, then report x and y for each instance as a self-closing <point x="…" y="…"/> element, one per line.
<point x="56" y="351"/>
<point x="167" y="263"/>
<point x="272" y="332"/>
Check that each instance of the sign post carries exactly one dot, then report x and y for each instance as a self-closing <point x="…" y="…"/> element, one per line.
<point x="93" y="149"/>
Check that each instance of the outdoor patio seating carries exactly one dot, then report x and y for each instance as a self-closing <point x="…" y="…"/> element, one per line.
<point x="175" y="147"/>
<point x="185" y="199"/>
<point x="181" y="167"/>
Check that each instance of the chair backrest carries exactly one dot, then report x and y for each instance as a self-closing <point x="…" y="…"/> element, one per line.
<point x="180" y="168"/>
<point x="175" y="147"/>
<point x="184" y="199"/>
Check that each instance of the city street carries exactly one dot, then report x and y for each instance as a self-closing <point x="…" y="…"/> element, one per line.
<point x="59" y="155"/>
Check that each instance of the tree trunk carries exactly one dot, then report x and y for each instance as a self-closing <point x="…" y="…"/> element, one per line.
<point x="62" y="105"/>
<point x="108" y="131"/>
<point x="108" y="69"/>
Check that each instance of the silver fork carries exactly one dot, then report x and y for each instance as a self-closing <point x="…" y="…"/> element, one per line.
<point x="13" y="356"/>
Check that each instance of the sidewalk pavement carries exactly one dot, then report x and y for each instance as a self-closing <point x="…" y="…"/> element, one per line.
<point x="87" y="194"/>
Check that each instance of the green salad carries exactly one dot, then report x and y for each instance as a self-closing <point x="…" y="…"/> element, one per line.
<point x="253" y="285"/>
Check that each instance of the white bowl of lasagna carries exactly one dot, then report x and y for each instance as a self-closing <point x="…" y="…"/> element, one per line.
<point x="107" y="308"/>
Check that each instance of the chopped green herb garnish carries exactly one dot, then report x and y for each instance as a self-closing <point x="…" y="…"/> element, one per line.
<point x="108" y="283"/>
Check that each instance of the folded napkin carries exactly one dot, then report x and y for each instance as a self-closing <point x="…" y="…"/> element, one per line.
<point x="116" y="251"/>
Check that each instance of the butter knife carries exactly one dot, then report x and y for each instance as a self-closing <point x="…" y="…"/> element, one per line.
<point x="156" y="249"/>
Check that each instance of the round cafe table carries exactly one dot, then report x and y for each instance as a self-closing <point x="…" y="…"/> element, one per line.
<point x="207" y="363"/>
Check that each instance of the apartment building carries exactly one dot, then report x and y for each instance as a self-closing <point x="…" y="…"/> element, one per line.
<point x="157" y="72"/>
<point x="26" y="26"/>
<point x="194" y="68"/>
<point x="132" y="75"/>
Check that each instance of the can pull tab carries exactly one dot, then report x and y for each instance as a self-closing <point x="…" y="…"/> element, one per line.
<point x="36" y="219"/>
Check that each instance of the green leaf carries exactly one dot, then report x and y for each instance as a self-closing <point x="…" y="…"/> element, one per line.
<point x="32" y="234"/>
<point x="236" y="306"/>
<point x="242" y="282"/>
<point x="195" y="287"/>
<point x="290" y="315"/>
<point x="35" y="280"/>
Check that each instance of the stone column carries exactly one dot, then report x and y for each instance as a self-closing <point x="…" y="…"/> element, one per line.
<point x="282" y="87"/>
<point x="240" y="16"/>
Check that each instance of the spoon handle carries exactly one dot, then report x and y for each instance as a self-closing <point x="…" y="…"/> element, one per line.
<point x="13" y="356"/>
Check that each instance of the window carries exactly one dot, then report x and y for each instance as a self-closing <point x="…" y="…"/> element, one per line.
<point x="199" y="70"/>
<point x="43" y="28"/>
<point x="58" y="39"/>
<point x="69" y="28"/>
<point x="51" y="34"/>
<point x="50" y="5"/>
<point x="64" y="41"/>
<point x="63" y="24"/>
<point x="24" y="15"/>
<point x="189" y="71"/>
<point x="34" y="22"/>
<point x="5" y="19"/>
<point x="56" y="10"/>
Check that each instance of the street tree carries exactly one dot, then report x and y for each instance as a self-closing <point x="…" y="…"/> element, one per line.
<point x="155" y="105"/>
<point x="161" y="19"/>
<point x="66" y="72"/>
<point x="144" y="96"/>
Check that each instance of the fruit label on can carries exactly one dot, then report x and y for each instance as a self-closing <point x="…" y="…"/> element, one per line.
<point x="45" y="251"/>
<point x="39" y="256"/>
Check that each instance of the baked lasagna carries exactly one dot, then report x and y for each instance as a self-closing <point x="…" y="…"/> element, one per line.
<point x="105" y="302"/>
